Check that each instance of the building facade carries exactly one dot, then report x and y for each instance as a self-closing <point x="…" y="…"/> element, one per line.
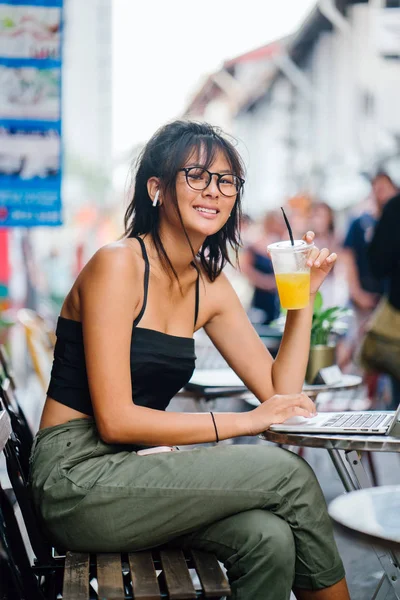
<point x="324" y="113"/>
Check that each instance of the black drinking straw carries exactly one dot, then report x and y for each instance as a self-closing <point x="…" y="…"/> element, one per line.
<point x="288" y="226"/>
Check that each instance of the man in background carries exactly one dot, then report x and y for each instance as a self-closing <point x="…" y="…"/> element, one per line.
<point x="365" y="289"/>
<point x="384" y="259"/>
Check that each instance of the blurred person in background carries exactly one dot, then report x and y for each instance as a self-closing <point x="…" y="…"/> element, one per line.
<point x="298" y="210"/>
<point x="322" y="220"/>
<point x="257" y="266"/>
<point x="365" y="289"/>
<point x="246" y="228"/>
<point x="233" y="271"/>
<point x="384" y="253"/>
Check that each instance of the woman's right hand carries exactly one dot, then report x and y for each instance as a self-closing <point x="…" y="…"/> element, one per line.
<point x="278" y="409"/>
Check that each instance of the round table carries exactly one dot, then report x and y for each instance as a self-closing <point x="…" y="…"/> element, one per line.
<point x="334" y="441"/>
<point x="215" y="383"/>
<point x="208" y="385"/>
<point x="348" y="382"/>
<point x="370" y="514"/>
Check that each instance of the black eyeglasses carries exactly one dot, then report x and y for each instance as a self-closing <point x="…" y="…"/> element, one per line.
<point x="199" y="179"/>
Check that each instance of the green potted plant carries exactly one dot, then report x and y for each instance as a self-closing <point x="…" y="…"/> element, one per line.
<point x="323" y="344"/>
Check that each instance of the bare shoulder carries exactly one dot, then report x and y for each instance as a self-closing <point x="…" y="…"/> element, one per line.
<point x="121" y="257"/>
<point x="114" y="271"/>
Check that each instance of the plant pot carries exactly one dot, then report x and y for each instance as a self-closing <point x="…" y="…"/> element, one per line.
<point x="320" y="357"/>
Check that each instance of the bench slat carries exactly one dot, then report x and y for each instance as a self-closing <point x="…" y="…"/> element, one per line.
<point x="76" y="576"/>
<point x="109" y="576"/>
<point x="211" y="576"/>
<point x="144" y="578"/>
<point x="177" y="576"/>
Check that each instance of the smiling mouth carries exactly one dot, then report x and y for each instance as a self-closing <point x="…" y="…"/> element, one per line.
<point x="208" y="211"/>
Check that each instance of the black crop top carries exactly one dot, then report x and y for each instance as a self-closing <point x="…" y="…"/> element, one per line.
<point x="161" y="364"/>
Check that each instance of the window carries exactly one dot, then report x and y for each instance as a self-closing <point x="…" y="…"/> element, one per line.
<point x="392" y="3"/>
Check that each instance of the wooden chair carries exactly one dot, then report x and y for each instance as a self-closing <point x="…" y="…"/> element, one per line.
<point x="162" y="573"/>
<point x="40" y="341"/>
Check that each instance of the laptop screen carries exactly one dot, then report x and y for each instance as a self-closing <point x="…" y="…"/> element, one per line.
<point x="392" y="430"/>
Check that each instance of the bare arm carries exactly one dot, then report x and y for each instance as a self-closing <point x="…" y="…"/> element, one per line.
<point x="289" y="368"/>
<point x="236" y="339"/>
<point x="109" y="302"/>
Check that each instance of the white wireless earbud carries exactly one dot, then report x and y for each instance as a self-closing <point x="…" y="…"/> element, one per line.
<point x="155" y="201"/>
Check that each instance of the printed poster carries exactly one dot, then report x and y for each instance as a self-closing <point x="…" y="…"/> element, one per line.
<point x="30" y="113"/>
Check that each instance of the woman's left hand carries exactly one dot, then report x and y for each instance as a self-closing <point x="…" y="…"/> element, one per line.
<point x="321" y="263"/>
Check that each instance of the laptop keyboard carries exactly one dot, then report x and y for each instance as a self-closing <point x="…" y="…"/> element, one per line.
<point x="356" y="420"/>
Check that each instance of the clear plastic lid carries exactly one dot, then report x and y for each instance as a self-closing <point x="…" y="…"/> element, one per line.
<point x="286" y="246"/>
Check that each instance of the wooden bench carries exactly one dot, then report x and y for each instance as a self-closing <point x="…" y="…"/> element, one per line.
<point x="140" y="568"/>
<point x="146" y="575"/>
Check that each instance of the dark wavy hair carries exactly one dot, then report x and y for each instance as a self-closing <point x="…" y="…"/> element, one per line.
<point x="163" y="156"/>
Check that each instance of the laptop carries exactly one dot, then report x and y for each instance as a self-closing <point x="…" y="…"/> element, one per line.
<point x="366" y="422"/>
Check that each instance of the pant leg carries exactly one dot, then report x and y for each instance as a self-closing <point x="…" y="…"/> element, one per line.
<point x="257" y="549"/>
<point x="97" y="497"/>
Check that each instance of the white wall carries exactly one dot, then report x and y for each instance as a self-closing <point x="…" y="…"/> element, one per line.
<point x="87" y="81"/>
<point x="264" y="133"/>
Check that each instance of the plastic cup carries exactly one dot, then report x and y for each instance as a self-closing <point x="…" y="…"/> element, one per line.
<point x="292" y="275"/>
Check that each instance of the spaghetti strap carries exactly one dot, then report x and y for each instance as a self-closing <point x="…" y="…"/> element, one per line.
<point x="146" y="279"/>
<point x="196" y="307"/>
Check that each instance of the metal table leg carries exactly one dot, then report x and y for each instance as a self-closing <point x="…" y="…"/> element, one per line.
<point x="383" y="589"/>
<point x="342" y="471"/>
<point x="355" y="477"/>
<point x="357" y="468"/>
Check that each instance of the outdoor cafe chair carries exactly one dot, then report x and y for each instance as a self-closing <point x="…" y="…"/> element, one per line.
<point x="55" y="574"/>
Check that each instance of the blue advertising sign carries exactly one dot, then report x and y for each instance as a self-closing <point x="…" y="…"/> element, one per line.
<point x="30" y="113"/>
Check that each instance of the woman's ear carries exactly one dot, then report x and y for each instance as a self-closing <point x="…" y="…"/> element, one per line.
<point x="153" y="189"/>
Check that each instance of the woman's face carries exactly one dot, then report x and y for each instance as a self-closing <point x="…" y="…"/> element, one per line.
<point x="204" y="212"/>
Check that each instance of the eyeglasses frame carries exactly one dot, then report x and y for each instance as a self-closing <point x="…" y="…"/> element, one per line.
<point x="210" y="176"/>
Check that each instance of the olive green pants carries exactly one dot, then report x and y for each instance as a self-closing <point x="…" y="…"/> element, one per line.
<point x="258" y="508"/>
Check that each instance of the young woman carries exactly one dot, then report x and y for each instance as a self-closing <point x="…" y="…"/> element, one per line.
<point x="125" y="347"/>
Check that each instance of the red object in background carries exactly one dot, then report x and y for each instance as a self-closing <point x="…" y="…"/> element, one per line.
<point x="4" y="272"/>
<point x="4" y="258"/>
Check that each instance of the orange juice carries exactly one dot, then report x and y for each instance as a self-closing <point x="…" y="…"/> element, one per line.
<point x="293" y="289"/>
